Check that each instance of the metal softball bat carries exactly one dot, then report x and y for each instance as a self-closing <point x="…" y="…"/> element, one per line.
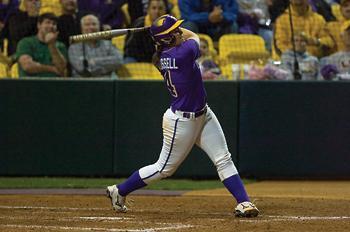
<point x="104" y="34"/>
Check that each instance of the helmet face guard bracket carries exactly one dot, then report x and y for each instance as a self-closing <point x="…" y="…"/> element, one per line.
<point x="169" y="40"/>
<point x="162" y="30"/>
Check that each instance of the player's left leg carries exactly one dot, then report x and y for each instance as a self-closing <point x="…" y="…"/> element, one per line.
<point x="179" y="137"/>
<point x="213" y="142"/>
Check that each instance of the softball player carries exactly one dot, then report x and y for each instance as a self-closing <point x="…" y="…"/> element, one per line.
<point x="188" y="121"/>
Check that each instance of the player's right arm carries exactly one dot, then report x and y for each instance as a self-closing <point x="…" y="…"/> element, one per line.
<point x="187" y="34"/>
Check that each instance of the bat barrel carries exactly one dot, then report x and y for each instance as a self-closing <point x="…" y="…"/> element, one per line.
<point x="104" y="34"/>
<point x="90" y="36"/>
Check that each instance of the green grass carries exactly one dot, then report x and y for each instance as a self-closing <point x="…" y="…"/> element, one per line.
<point x="53" y="182"/>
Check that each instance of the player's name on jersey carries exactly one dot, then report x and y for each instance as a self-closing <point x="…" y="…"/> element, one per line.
<point x="168" y="63"/>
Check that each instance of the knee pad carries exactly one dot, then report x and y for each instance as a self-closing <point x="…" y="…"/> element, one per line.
<point x="225" y="166"/>
<point x="223" y="159"/>
<point x="166" y="173"/>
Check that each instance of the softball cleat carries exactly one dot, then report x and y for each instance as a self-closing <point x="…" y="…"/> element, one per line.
<point x="118" y="201"/>
<point x="246" y="209"/>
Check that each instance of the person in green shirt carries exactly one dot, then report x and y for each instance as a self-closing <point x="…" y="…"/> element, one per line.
<point x="42" y="55"/>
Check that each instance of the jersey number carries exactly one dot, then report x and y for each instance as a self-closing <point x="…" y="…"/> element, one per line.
<point x="169" y="84"/>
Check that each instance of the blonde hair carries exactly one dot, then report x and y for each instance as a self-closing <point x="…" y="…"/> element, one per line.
<point x="22" y="7"/>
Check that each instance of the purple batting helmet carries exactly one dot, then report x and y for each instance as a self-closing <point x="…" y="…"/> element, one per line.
<point x="162" y="27"/>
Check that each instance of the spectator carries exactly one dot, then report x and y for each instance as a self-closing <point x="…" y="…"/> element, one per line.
<point x="209" y="69"/>
<point x="21" y="24"/>
<point x="69" y="21"/>
<point x="331" y="2"/>
<point x="322" y="7"/>
<point x="334" y="26"/>
<point x="338" y="64"/>
<point x="108" y="11"/>
<point x="42" y="55"/>
<point x="6" y="9"/>
<point x="268" y="72"/>
<point x="142" y="41"/>
<point x="94" y="58"/>
<point x="276" y="8"/>
<point x="345" y="9"/>
<point x="311" y="25"/>
<point x="138" y="8"/>
<point x="214" y="18"/>
<point x="253" y="18"/>
<point x="308" y="64"/>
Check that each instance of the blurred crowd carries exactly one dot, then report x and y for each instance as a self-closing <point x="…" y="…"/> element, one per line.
<point x="258" y="39"/>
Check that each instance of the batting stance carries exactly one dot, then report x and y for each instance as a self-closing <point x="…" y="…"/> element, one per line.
<point x="188" y="121"/>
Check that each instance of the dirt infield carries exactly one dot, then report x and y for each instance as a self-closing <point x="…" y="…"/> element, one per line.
<point x="285" y="206"/>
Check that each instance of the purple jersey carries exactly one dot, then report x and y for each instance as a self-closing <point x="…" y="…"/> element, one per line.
<point x="183" y="77"/>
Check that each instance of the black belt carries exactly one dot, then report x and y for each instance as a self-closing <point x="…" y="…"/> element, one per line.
<point x="190" y="115"/>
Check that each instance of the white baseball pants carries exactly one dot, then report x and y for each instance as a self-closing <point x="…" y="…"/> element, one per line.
<point x="179" y="136"/>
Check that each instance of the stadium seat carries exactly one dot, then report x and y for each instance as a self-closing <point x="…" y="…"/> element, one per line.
<point x="14" y="71"/>
<point x="119" y="43"/>
<point x="226" y="71"/>
<point x="139" y="71"/>
<point x="175" y="10"/>
<point x="47" y="6"/>
<point x="235" y="71"/>
<point x="3" y="71"/>
<point x="126" y="14"/>
<point x="21" y="6"/>
<point x="4" y="64"/>
<point x="5" y="47"/>
<point x="242" y="48"/>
